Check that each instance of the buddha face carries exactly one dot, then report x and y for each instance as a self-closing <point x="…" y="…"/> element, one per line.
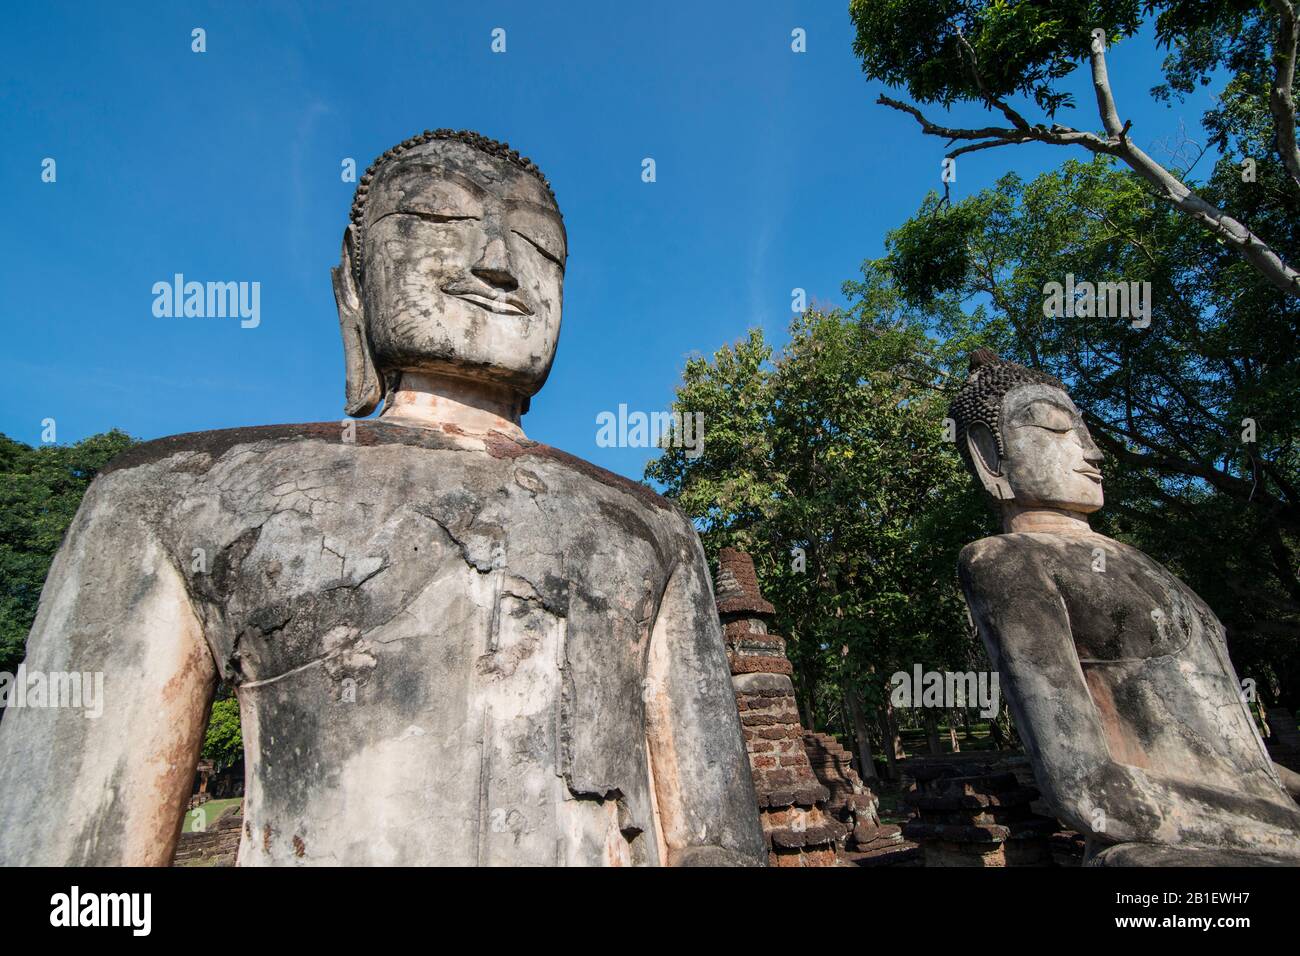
<point x="463" y="268"/>
<point x="1049" y="460"/>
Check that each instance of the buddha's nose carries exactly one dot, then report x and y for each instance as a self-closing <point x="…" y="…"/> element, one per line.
<point x="494" y="266"/>
<point x="1091" y="453"/>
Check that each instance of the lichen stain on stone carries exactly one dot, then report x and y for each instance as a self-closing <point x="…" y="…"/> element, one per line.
<point x="505" y="661"/>
<point x="529" y="482"/>
<point x="1122" y="744"/>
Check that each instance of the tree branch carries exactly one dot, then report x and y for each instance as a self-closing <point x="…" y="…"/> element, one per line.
<point x="1101" y="87"/>
<point x="1234" y="487"/>
<point x="947" y="132"/>
<point x="1280" y="99"/>
<point x="1015" y="118"/>
<point x="989" y="144"/>
<point x="1234" y="234"/>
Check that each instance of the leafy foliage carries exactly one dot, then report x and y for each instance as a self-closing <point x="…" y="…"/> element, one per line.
<point x="986" y="50"/>
<point x="1169" y="403"/>
<point x="40" y="490"/>
<point x="1207" y="38"/>
<point x="1020" y="46"/>
<point x="835" y="447"/>
<point x="223" y="743"/>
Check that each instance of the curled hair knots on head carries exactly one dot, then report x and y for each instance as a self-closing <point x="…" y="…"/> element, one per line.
<point x="980" y="399"/>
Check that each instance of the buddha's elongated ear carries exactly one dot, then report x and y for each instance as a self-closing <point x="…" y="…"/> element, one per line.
<point x="365" y="386"/>
<point x="983" y="448"/>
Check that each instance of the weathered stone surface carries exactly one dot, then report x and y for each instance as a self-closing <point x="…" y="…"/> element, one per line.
<point x="498" y="664"/>
<point x="1139" y="854"/>
<point x="1117" y="674"/>
<point x="451" y="645"/>
<point x="736" y="588"/>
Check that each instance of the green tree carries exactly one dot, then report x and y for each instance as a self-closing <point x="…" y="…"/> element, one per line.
<point x="223" y="743"/>
<point x="1199" y="413"/>
<point x="829" y="463"/>
<point x="40" y="490"/>
<point x="991" y="51"/>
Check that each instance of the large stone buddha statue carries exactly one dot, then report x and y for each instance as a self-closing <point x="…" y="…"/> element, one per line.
<point x="1117" y="674"/>
<point x="450" y="644"/>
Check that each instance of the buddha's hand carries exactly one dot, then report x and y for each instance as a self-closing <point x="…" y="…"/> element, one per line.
<point x="1135" y="805"/>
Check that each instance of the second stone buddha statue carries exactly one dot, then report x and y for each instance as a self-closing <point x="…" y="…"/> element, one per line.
<point x="1116" y="672"/>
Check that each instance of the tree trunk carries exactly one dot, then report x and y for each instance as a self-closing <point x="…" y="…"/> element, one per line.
<point x="891" y="744"/>
<point x="931" y="730"/>
<point x="866" y="766"/>
<point x="995" y="731"/>
<point x="895" y="737"/>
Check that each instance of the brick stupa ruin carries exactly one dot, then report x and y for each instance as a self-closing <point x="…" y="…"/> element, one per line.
<point x="797" y="827"/>
<point x="853" y="804"/>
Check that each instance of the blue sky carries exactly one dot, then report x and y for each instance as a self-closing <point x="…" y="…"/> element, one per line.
<point x="775" y="170"/>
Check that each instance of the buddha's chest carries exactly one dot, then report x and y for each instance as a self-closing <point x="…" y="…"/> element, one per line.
<point x="1156" y="667"/>
<point x="1124" y="607"/>
<point x="442" y="701"/>
<point x="320" y="575"/>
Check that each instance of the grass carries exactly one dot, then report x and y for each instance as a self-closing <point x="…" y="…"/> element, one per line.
<point x="917" y="744"/>
<point x="212" y="811"/>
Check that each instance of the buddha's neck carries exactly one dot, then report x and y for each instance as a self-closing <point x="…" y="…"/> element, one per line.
<point x="433" y="400"/>
<point x="1045" y="520"/>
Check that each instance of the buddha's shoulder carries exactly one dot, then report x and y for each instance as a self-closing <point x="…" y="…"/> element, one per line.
<point x="1019" y="552"/>
<point x="577" y="473"/>
<point x="533" y="465"/>
<point x="192" y="451"/>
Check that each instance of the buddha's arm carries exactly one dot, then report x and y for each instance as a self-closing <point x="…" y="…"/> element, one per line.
<point x="1024" y="625"/>
<point x="76" y="788"/>
<point x="707" y="811"/>
<point x="1290" y="780"/>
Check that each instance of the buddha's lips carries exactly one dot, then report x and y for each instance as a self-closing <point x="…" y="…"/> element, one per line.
<point x="1088" y="472"/>
<point x="504" y="305"/>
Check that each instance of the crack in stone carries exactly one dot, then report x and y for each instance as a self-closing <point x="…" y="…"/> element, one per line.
<point x="251" y="685"/>
<point x="461" y="546"/>
<point x="345" y="585"/>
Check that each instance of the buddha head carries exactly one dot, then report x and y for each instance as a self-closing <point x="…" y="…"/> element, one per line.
<point x="452" y="265"/>
<point x="1024" y="439"/>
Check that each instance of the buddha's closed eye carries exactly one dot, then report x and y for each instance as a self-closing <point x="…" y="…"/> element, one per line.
<point x="442" y="217"/>
<point x="540" y="246"/>
<point x="540" y="230"/>
<point x="425" y="216"/>
<point x="1048" y="416"/>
